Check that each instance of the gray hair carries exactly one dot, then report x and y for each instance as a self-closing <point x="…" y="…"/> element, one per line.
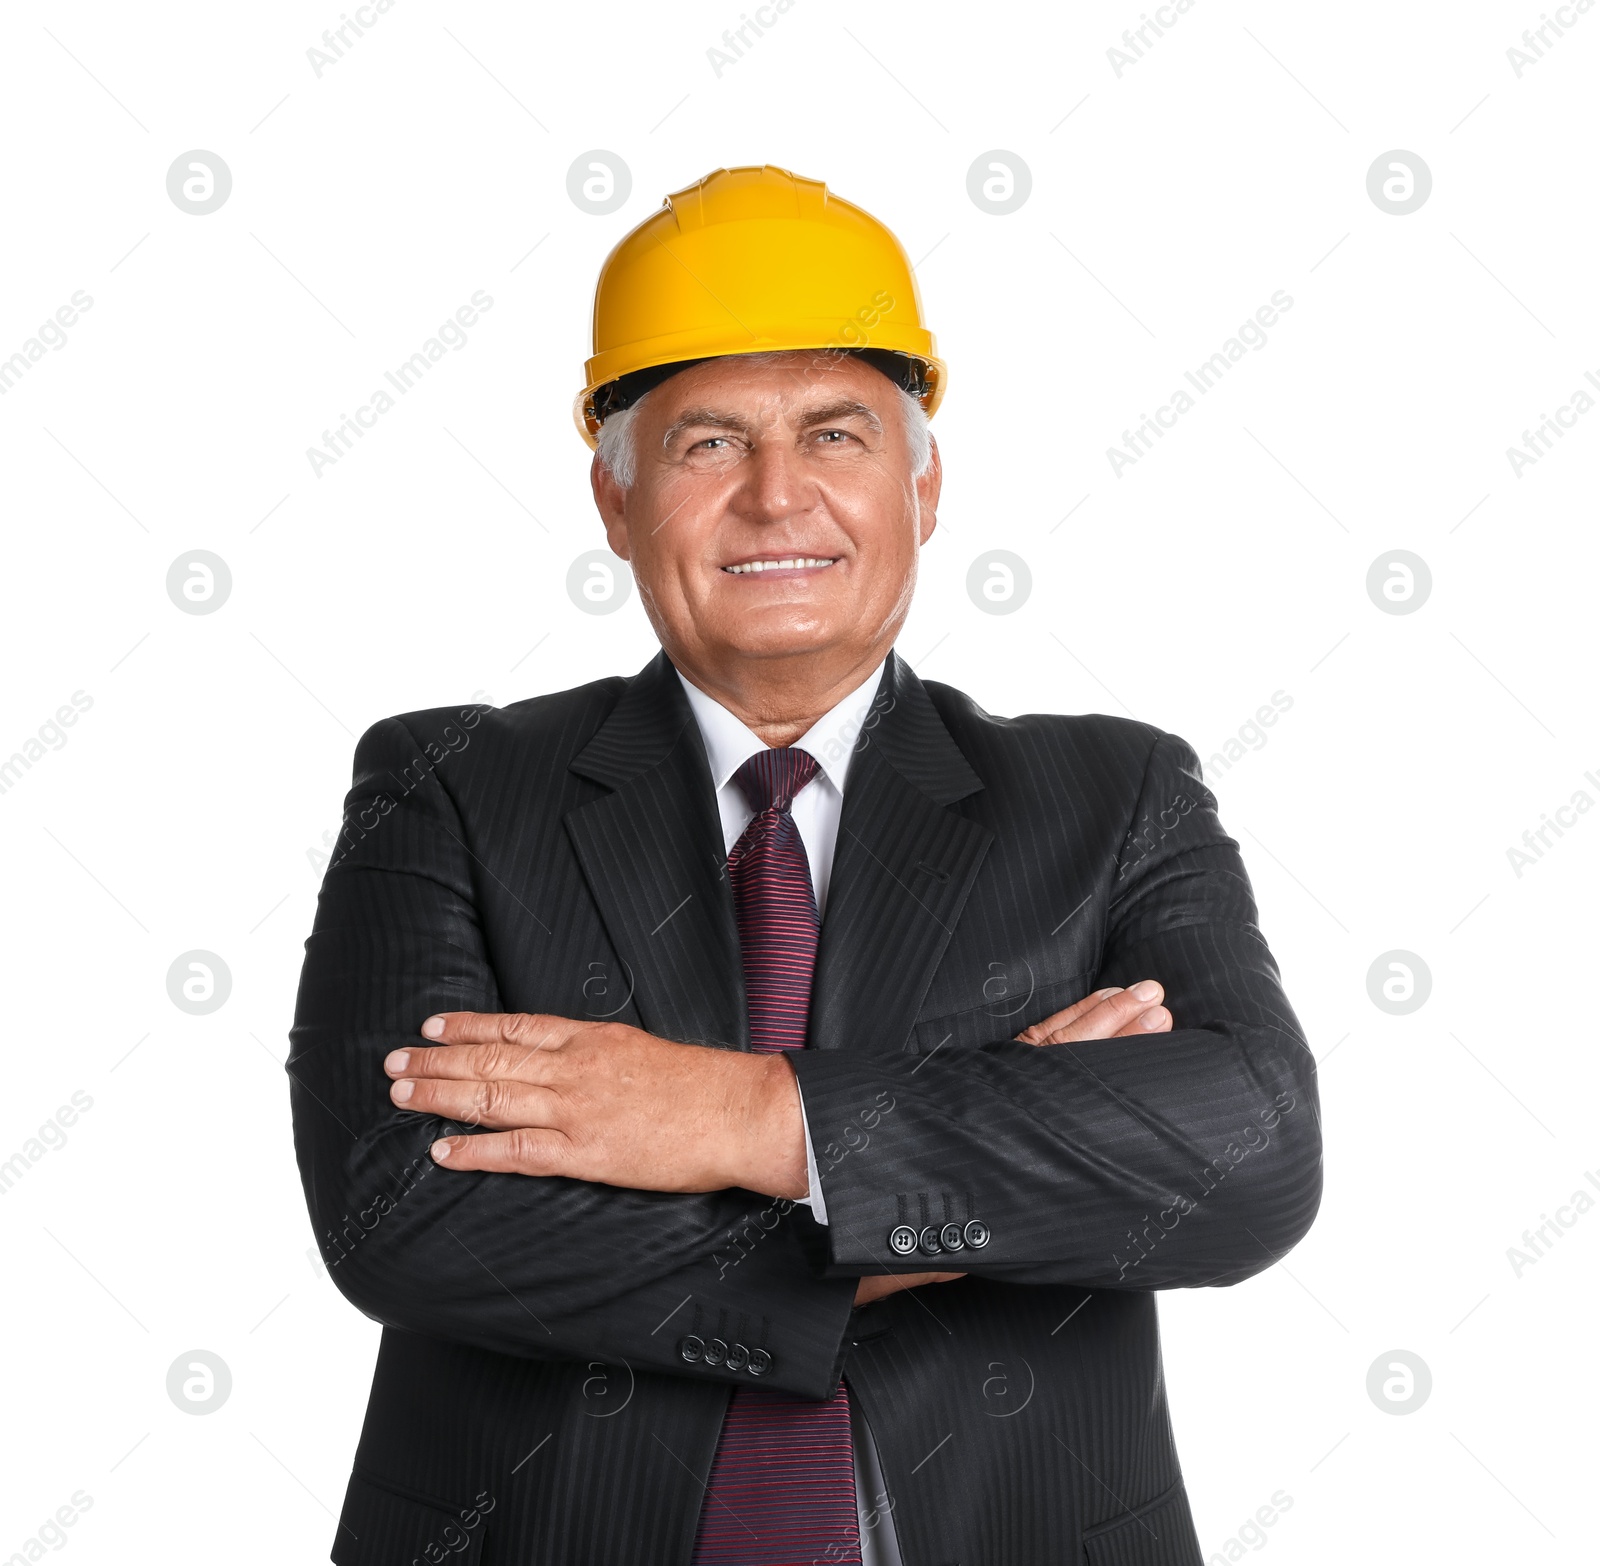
<point x="619" y="455"/>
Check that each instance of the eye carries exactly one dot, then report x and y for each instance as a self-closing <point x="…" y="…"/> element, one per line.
<point x="832" y="437"/>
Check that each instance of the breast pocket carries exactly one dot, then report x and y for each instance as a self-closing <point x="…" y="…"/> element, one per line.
<point x="1009" y="1007"/>
<point x="383" y="1526"/>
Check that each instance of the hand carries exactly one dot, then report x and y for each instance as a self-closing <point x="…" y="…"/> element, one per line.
<point x="604" y="1102"/>
<point x="882" y="1283"/>
<point x="1113" y="1013"/>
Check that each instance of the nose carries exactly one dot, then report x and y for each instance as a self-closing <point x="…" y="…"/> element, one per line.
<point x="776" y="486"/>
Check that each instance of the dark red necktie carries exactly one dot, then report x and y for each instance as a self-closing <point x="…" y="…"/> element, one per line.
<point x="782" y="1488"/>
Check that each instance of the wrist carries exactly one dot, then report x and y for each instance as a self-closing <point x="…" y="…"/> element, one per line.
<point x="771" y="1156"/>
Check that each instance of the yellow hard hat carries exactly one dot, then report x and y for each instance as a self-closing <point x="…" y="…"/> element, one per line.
<point x="753" y="260"/>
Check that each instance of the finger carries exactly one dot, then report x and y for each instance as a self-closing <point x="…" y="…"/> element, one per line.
<point x="1157" y="1020"/>
<point x="1040" y="1031"/>
<point x="498" y="1104"/>
<point x="472" y="1063"/>
<point x="512" y="1050"/>
<point x="519" y="1028"/>
<point x="524" y="1151"/>
<point x="1113" y="1016"/>
<point x="1096" y="1016"/>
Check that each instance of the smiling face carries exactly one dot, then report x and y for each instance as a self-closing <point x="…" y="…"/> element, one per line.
<point x="773" y="526"/>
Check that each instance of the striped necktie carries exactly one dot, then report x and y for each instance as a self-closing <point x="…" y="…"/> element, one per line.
<point x="782" y="1485"/>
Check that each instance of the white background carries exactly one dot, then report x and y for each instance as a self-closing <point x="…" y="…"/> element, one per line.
<point x="429" y="564"/>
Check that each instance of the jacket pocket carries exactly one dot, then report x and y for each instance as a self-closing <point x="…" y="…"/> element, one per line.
<point x="384" y="1526"/>
<point x="1159" y="1533"/>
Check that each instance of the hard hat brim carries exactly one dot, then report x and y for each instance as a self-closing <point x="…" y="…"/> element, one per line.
<point x="589" y="420"/>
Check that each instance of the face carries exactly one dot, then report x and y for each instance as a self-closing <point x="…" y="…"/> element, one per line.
<point x="773" y="519"/>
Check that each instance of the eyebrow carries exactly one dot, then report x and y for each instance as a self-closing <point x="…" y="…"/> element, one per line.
<point x="714" y="418"/>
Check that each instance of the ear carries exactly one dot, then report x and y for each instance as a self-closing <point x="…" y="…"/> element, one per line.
<point x="928" y="488"/>
<point x="610" y="500"/>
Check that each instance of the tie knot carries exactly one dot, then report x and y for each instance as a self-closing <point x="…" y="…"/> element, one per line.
<point x="773" y="777"/>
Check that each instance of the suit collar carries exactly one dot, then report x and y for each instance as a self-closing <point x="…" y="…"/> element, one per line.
<point x="651" y="851"/>
<point x="902" y="871"/>
<point x="641" y="729"/>
<point x="915" y="740"/>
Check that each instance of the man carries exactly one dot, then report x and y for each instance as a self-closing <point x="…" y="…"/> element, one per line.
<point x="663" y="1042"/>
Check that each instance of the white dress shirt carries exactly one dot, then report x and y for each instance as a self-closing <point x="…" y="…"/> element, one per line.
<point x="816" y="809"/>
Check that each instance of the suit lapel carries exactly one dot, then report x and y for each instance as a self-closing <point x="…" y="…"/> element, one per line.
<point x="651" y="852"/>
<point x="902" y="871"/>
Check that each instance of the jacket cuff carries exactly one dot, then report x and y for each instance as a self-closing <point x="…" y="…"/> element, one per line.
<point x="871" y="1140"/>
<point x="758" y="1313"/>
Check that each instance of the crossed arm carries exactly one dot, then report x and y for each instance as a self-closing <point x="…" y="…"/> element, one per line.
<point x="615" y="1105"/>
<point x="647" y="1165"/>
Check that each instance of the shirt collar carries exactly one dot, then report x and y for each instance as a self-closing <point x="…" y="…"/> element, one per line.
<point x="831" y="739"/>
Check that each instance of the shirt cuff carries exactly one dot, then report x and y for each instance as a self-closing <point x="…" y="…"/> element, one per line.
<point x="813" y="1197"/>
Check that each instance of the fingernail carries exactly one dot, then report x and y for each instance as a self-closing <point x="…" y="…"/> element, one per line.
<point x="401" y="1091"/>
<point x="1116" y="989"/>
<point x="1153" y="1018"/>
<point x="398" y="1060"/>
<point x="433" y="1028"/>
<point x="440" y="1151"/>
<point x="1144" y="990"/>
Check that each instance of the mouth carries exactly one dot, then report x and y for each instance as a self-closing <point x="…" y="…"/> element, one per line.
<point x="789" y="565"/>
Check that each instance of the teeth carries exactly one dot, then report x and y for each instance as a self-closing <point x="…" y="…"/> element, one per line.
<point x="779" y="565"/>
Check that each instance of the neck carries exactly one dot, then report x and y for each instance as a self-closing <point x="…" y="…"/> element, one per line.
<point x="781" y="699"/>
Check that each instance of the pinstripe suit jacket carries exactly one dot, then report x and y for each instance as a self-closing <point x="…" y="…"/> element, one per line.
<point x="552" y="1375"/>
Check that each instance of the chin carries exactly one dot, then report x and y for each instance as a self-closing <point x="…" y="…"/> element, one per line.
<point x="789" y="640"/>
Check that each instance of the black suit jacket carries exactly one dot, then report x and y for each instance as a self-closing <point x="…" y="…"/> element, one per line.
<point x="556" y="1357"/>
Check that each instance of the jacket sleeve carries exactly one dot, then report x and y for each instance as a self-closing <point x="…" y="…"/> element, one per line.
<point x="1175" y="1160"/>
<point x="542" y="1267"/>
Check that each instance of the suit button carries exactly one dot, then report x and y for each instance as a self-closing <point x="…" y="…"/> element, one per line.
<point x="738" y="1357"/>
<point x="903" y="1240"/>
<point x="951" y="1237"/>
<point x="760" y="1362"/>
<point x="716" y="1351"/>
<point x="929" y="1240"/>
<point x="691" y="1348"/>
<point x="977" y="1233"/>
